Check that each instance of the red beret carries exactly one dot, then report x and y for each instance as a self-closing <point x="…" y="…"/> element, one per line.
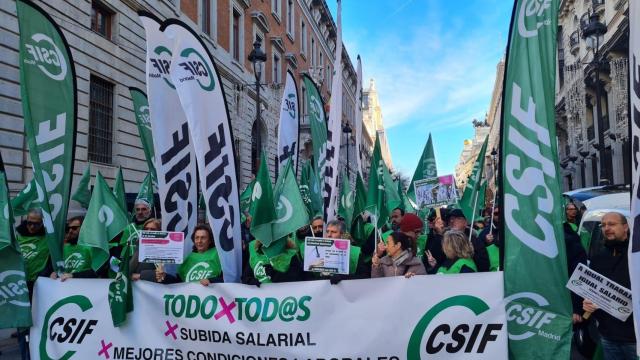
<point x="410" y="222"/>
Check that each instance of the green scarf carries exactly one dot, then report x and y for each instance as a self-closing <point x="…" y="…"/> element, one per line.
<point x="198" y="266"/>
<point x="258" y="260"/>
<point x="77" y="258"/>
<point x="35" y="252"/>
<point x="457" y="266"/>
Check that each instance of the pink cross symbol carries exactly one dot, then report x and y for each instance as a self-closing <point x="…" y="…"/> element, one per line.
<point x="105" y="349"/>
<point x="226" y="310"/>
<point x="171" y="331"/>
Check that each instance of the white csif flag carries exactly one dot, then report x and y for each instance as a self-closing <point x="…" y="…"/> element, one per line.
<point x="288" y="126"/>
<point x="202" y="96"/>
<point x="334" y="130"/>
<point x="358" y="118"/>
<point x="174" y="152"/>
<point x="634" y="88"/>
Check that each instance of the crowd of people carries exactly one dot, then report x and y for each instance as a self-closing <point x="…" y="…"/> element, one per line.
<point x="447" y="244"/>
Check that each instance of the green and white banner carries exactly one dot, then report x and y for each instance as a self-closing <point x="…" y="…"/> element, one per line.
<point x="426" y="168"/>
<point x="538" y="307"/>
<point x="48" y="91"/>
<point x="143" y="120"/>
<point x="15" y="309"/>
<point x="201" y="94"/>
<point x="463" y="319"/>
<point x="472" y="200"/>
<point x="288" y="125"/>
<point x="318" y="125"/>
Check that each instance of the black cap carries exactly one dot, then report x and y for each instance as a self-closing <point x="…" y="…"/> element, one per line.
<point x="456" y="213"/>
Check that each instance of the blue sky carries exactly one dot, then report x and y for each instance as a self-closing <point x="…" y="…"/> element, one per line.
<point x="434" y="62"/>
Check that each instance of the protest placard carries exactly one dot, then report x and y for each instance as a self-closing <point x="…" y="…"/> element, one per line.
<point x="326" y="255"/>
<point x="161" y="247"/>
<point x="436" y="191"/>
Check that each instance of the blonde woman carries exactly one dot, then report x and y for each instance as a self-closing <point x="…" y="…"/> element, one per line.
<point x="459" y="252"/>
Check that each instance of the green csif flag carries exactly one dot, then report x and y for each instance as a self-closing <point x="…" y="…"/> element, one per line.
<point x="359" y="205"/>
<point x="406" y="204"/>
<point x="318" y="125"/>
<point x="118" y="190"/>
<point x="121" y="291"/>
<point x="376" y="193"/>
<point x="531" y="197"/>
<point x="291" y="212"/>
<point x="472" y="199"/>
<point x="83" y="192"/>
<point x="262" y="209"/>
<point x="141" y="111"/>
<point x="48" y="92"/>
<point x="15" y="308"/>
<point x="391" y="197"/>
<point x="104" y="220"/>
<point x="426" y="168"/>
<point x="25" y="200"/>
<point x="245" y="201"/>
<point x="146" y="190"/>
<point x="345" y="206"/>
<point x="310" y="190"/>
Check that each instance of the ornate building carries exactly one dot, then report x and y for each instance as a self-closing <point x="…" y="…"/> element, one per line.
<point x="373" y="121"/>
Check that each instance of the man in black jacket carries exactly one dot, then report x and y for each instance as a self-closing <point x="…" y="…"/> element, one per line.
<point x="618" y="339"/>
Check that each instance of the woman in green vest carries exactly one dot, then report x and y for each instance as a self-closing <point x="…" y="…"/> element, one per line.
<point x="202" y="265"/>
<point x="459" y="253"/>
<point x="77" y="258"/>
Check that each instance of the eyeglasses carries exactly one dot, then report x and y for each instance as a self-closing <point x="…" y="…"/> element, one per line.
<point x="609" y="224"/>
<point x="34" y="223"/>
<point x="73" y="228"/>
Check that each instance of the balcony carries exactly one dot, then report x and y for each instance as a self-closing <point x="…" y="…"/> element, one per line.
<point x="574" y="42"/>
<point x="598" y="6"/>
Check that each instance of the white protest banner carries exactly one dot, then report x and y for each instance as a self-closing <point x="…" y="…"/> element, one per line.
<point x="460" y="317"/>
<point x="175" y="158"/>
<point x="326" y="255"/>
<point x="610" y="296"/>
<point x="435" y="191"/>
<point x="288" y="125"/>
<point x="201" y="94"/>
<point x="161" y="247"/>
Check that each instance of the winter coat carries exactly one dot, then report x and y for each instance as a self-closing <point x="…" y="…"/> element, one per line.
<point x="403" y="264"/>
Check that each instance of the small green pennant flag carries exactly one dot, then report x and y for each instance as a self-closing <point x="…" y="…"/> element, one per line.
<point x="245" y="200"/>
<point x="425" y="169"/>
<point x="472" y="199"/>
<point x="391" y="197"/>
<point x="291" y="212"/>
<point x="83" y="193"/>
<point x="375" y="194"/>
<point x="25" y="200"/>
<point x="345" y="205"/>
<point x="406" y="204"/>
<point x="104" y="220"/>
<point x="146" y="189"/>
<point x="359" y="205"/>
<point x="118" y="190"/>
<point x="262" y="206"/>
<point x="310" y="190"/>
<point x="120" y="290"/>
<point x="15" y="308"/>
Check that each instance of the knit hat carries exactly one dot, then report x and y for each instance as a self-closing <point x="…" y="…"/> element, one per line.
<point x="411" y="222"/>
<point x="456" y="213"/>
<point x="140" y="201"/>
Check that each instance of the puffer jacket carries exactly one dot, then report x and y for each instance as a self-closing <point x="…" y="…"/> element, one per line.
<point x="399" y="266"/>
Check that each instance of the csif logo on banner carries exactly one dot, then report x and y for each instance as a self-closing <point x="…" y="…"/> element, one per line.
<point x="531" y="17"/>
<point x="44" y="53"/>
<point x="290" y="105"/>
<point x="143" y="115"/>
<point x="161" y="64"/>
<point x="469" y="337"/>
<point x="196" y="68"/>
<point x="68" y="326"/>
<point x="13" y="285"/>
<point x="527" y="317"/>
<point x="284" y="210"/>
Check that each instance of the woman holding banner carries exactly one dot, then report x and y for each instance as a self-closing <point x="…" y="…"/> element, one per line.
<point x="202" y="265"/>
<point x="399" y="260"/>
<point x="459" y="252"/>
<point x="142" y="270"/>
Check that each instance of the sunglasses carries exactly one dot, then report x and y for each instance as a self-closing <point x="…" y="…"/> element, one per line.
<point x="34" y="223"/>
<point x="72" y="228"/>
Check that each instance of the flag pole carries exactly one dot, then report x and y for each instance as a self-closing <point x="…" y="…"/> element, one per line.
<point x="494" y="158"/>
<point x="473" y="214"/>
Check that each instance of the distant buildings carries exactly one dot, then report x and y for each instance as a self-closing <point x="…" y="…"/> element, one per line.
<point x="373" y="121"/>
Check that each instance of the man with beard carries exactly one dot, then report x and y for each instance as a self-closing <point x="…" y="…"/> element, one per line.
<point x="33" y="245"/>
<point x="142" y="213"/>
<point x="77" y="258"/>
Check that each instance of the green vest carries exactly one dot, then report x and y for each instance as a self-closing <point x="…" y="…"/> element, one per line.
<point x="198" y="266"/>
<point x="279" y="263"/>
<point x="35" y="253"/>
<point x="494" y="257"/>
<point x="77" y="258"/>
<point x="421" y="246"/>
<point x="457" y="266"/>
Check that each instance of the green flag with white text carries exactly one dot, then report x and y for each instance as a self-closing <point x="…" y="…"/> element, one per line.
<point x="375" y="194"/>
<point x="391" y="197"/>
<point x="25" y="200"/>
<point x="120" y="290"/>
<point x="141" y="111"/>
<point x="146" y="190"/>
<point x="318" y="125"/>
<point x="531" y="196"/>
<point x="118" y="190"/>
<point x="426" y="168"/>
<point x="472" y="199"/>
<point x="83" y="193"/>
<point x="15" y="309"/>
<point x="48" y="92"/>
<point x="104" y="220"/>
<point x="359" y="205"/>
<point x="310" y="190"/>
<point x="262" y="206"/>
<point x="245" y="200"/>
<point x="345" y="205"/>
<point x="291" y="213"/>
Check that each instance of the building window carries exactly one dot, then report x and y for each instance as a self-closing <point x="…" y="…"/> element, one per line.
<point x="101" y="18"/>
<point x="236" y="22"/>
<point x="275" y="76"/>
<point x="100" y="120"/>
<point x="303" y="38"/>
<point x="303" y="102"/>
<point x="208" y="17"/>
<point x="290" y="18"/>
<point x="275" y="9"/>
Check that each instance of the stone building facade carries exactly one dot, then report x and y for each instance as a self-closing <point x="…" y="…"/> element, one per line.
<point x="108" y="47"/>
<point x="580" y="136"/>
<point x="373" y="121"/>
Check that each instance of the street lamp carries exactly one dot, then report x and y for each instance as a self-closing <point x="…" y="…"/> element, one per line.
<point x="346" y="129"/>
<point x="592" y="34"/>
<point x="257" y="58"/>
